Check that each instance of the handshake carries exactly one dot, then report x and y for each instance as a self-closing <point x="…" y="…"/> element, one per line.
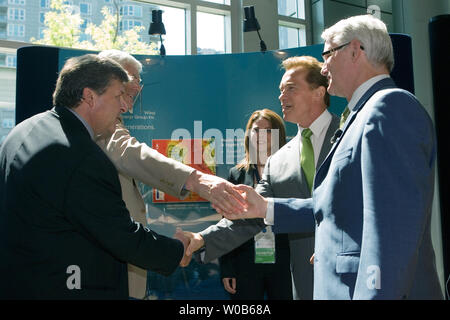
<point x="191" y="242"/>
<point x="231" y="201"/>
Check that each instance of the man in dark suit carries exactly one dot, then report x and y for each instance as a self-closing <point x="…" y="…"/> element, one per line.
<point x="65" y="232"/>
<point x="304" y="101"/>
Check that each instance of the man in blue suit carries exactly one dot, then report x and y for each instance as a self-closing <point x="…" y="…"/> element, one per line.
<point x="372" y="198"/>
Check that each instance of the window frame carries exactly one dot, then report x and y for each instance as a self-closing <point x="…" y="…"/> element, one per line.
<point x="291" y="22"/>
<point x="233" y="20"/>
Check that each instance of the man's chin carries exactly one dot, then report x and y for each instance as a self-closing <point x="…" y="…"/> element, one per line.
<point x="107" y="133"/>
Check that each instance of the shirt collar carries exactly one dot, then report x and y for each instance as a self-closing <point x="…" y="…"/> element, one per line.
<point x="319" y="124"/>
<point x="362" y="89"/>
<point x="88" y="127"/>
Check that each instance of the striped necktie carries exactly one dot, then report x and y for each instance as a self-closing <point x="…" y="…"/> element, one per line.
<point x="307" y="157"/>
<point x="338" y="132"/>
<point x="344" y="117"/>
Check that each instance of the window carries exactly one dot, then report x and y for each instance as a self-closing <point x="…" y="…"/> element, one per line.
<point x="85" y="8"/>
<point x="16" y="14"/>
<point x="45" y="4"/>
<point x="18" y="2"/>
<point x="16" y="30"/>
<point x="174" y="20"/>
<point x="41" y="32"/>
<point x="292" y="8"/>
<point x="7" y="123"/>
<point x="210" y="33"/>
<point x="132" y="11"/>
<point x="219" y="1"/>
<point x="291" y="37"/>
<point x="292" y="23"/>
<point x="128" y="24"/>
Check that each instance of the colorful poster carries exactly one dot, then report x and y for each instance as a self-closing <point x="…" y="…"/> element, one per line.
<point x="197" y="153"/>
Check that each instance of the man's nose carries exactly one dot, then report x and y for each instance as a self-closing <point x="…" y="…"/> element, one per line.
<point x="324" y="70"/>
<point x="123" y="105"/>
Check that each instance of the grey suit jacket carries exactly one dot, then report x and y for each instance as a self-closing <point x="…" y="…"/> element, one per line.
<point x="282" y="178"/>
<point x="135" y="160"/>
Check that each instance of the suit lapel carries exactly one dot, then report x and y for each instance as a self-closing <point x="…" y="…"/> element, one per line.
<point x="326" y="146"/>
<point x="382" y="84"/>
<point x="294" y="164"/>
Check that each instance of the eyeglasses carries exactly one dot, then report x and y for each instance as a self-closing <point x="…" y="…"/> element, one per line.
<point x="139" y="96"/>
<point x="327" y="53"/>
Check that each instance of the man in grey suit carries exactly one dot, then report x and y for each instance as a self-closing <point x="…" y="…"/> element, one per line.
<point x="304" y="101"/>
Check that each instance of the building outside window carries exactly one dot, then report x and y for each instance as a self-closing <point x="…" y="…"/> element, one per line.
<point x="85" y="8"/>
<point x="131" y="10"/>
<point x="16" y="30"/>
<point x="127" y="24"/>
<point x="17" y="2"/>
<point x="16" y="14"/>
<point x="45" y="4"/>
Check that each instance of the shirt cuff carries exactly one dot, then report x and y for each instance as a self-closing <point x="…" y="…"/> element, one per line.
<point x="270" y="216"/>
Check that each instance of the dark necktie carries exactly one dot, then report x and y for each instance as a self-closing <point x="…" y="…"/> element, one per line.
<point x="307" y="157"/>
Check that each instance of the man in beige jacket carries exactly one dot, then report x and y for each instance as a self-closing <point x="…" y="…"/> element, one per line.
<point x="137" y="161"/>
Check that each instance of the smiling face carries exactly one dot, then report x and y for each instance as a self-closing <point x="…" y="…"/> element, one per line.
<point x="298" y="100"/>
<point x="336" y="67"/>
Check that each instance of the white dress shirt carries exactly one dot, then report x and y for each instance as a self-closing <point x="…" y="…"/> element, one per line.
<point x="362" y="89"/>
<point x="319" y="130"/>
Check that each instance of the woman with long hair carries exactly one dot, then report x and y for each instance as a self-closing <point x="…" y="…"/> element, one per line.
<point x="260" y="267"/>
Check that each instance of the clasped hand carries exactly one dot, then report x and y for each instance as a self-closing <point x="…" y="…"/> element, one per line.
<point x="255" y="207"/>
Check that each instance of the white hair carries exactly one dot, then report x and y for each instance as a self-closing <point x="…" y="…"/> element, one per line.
<point x="121" y="57"/>
<point x="371" y="32"/>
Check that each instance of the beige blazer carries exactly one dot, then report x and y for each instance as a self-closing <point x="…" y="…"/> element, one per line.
<point x="137" y="161"/>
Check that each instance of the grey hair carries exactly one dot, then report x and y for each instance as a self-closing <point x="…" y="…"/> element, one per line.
<point x="370" y="31"/>
<point x="123" y="58"/>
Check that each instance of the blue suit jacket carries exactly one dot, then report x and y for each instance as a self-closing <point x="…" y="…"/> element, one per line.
<point x="371" y="203"/>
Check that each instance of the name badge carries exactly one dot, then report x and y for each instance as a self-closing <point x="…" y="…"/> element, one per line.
<point x="265" y="246"/>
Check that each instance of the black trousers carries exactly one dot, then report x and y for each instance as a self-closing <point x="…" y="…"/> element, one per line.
<point x="268" y="281"/>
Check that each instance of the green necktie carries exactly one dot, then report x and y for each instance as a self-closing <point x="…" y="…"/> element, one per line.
<point x="344" y="116"/>
<point x="307" y="157"/>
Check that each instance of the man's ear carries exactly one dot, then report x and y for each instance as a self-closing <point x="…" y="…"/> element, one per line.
<point x="88" y="96"/>
<point x="320" y="92"/>
<point x="356" y="48"/>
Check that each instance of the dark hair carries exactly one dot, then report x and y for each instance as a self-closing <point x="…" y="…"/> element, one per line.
<point x="86" y="71"/>
<point x="276" y="122"/>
